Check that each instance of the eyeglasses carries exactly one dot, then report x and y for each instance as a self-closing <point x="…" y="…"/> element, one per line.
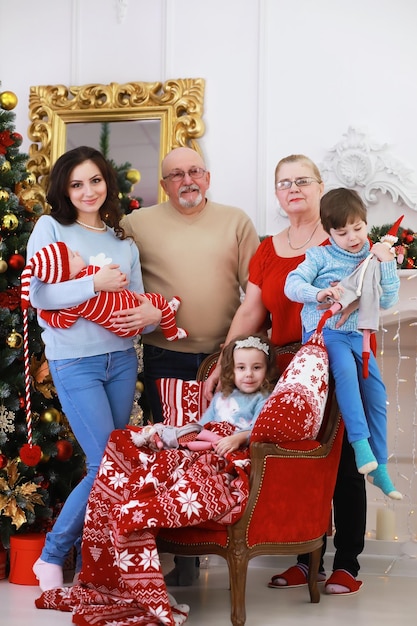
<point x="194" y="172"/>
<point x="300" y="182"/>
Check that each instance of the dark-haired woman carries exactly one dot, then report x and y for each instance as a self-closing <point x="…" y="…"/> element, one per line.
<point x="94" y="370"/>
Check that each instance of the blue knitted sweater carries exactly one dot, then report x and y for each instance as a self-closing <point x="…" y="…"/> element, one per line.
<point x="326" y="264"/>
<point x="240" y="409"/>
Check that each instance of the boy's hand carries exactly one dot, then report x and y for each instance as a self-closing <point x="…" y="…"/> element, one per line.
<point x="331" y="293"/>
<point x="383" y="251"/>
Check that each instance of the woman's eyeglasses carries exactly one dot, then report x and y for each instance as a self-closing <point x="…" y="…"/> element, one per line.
<point x="300" y="182"/>
<point x="194" y="172"/>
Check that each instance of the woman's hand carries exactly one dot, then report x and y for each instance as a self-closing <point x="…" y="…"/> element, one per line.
<point x="138" y="317"/>
<point x="346" y="312"/>
<point x="212" y="384"/>
<point x="110" y="278"/>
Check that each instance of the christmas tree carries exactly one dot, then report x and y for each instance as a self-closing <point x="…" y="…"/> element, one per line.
<point x="126" y="176"/>
<point x="30" y="495"/>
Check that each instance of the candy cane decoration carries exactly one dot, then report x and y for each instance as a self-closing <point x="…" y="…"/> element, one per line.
<point x="29" y="454"/>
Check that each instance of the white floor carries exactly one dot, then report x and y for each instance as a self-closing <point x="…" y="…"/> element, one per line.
<point x="388" y="596"/>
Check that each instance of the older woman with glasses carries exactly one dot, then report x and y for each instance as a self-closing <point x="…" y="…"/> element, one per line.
<point x="299" y="188"/>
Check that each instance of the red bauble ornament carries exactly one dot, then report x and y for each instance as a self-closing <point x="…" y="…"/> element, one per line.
<point x="64" y="448"/>
<point x="21" y="402"/>
<point x="10" y="299"/>
<point x="134" y="204"/>
<point x="409" y="238"/>
<point x="410" y="263"/>
<point x="3" y="461"/>
<point x="30" y="455"/>
<point x="17" y="137"/>
<point x="16" y="262"/>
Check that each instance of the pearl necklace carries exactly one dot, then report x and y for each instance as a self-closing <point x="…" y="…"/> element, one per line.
<point x="306" y="242"/>
<point x="101" y="228"/>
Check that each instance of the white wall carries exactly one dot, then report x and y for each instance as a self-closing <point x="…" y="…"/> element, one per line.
<point x="281" y="77"/>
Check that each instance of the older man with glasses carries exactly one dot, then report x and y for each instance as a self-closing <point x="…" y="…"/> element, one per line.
<point x="199" y="250"/>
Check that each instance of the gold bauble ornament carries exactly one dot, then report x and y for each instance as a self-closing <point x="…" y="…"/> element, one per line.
<point x="5" y="166"/>
<point x="30" y="180"/>
<point x="140" y="386"/>
<point x="10" y="221"/>
<point x="14" y="340"/>
<point x="133" y="176"/>
<point x="50" y="415"/>
<point x="8" y="100"/>
<point x="4" y="195"/>
<point x="3" y="266"/>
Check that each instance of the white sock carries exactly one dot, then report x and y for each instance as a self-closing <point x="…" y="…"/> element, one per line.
<point x="49" y="575"/>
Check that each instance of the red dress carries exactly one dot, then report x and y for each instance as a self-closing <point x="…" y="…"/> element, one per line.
<point x="269" y="272"/>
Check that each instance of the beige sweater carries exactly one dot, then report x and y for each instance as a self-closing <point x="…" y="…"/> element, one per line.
<point x="203" y="259"/>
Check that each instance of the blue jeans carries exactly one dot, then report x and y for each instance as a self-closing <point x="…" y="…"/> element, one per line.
<point x="96" y="395"/>
<point x="161" y="363"/>
<point x="362" y="401"/>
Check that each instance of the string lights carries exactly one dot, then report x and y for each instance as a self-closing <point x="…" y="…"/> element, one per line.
<point x="397" y="360"/>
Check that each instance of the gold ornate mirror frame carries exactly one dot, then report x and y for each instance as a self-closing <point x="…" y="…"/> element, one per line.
<point x="177" y="104"/>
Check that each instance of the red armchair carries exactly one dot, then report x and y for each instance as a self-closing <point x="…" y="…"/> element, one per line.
<point x="288" y="509"/>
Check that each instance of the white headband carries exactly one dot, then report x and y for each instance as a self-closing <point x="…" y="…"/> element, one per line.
<point x="252" y="342"/>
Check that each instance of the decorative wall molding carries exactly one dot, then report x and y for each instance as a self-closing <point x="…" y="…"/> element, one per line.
<point x="359" y="163"/>
<point x="121" y="10"/>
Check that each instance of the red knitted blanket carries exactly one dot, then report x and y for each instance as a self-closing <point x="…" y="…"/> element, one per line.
<point x="136" y="492"/>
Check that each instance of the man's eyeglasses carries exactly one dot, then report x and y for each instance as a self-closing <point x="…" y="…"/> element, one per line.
<point x="300" y="182"/>
<point x="194" y="172"/>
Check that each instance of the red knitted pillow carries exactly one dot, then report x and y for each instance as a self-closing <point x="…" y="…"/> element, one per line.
<point x="182" y="400"/>
<point x="296" y="407"/>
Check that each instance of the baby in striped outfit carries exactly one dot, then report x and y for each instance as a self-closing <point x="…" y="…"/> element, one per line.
<point x="56" y="263"/>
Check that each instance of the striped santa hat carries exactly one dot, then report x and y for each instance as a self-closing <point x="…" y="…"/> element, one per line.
<point x="50" y="264"/>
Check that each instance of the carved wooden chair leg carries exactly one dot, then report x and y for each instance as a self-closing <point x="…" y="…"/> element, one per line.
<point x="313" y="570"/>
<point x="238" y="568"/>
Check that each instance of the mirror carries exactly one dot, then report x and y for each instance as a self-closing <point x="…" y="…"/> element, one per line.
<point x="146" y="120"/>
<point x="134" y="142"/>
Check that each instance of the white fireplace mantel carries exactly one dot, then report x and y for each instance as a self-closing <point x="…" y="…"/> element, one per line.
<point x="406" y="307"/>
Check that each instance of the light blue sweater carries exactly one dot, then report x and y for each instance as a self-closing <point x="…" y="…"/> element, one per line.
<point x="326" y="264"/>
<point x="84" y="338"/>
<point x="239" y="409"/>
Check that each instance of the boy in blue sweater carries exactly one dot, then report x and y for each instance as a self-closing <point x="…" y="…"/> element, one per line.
<point x="362" y="401"/>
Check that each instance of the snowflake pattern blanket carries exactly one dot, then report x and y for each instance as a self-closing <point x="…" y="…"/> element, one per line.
<point x="136" y="492"/>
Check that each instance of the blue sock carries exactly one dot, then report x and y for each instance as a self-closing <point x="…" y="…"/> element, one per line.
<point x="364" y="457"/>
<point x="380" y="478"/>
